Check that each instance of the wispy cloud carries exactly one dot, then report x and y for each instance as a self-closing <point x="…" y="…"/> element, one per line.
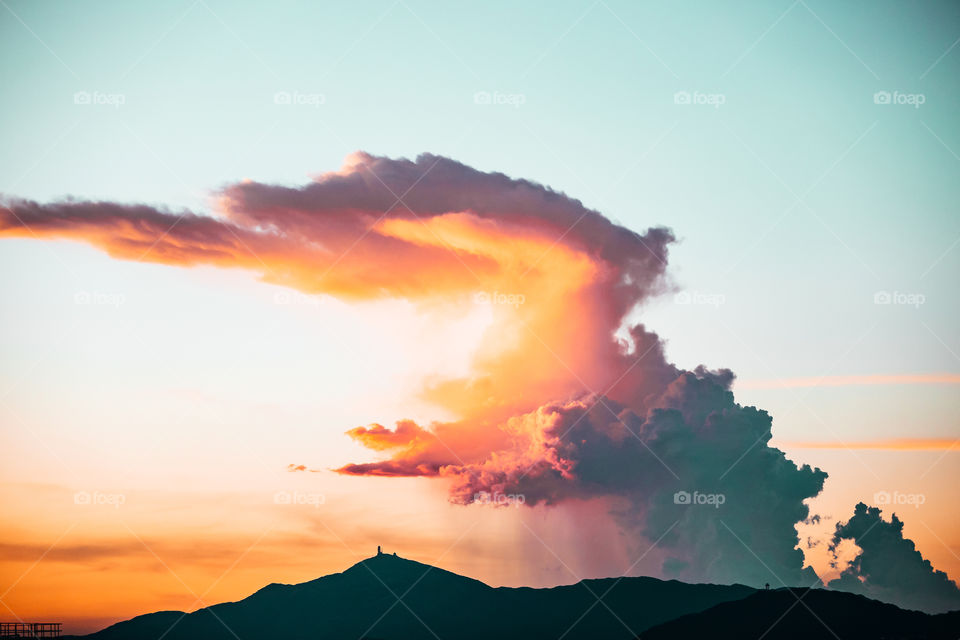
<point x="891" y="444"/>
<point x="853" y="380"/>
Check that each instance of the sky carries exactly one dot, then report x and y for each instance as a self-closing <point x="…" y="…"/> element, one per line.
<point x="803" y="154"/>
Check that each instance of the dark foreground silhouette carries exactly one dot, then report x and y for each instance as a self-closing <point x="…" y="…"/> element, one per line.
<point x="808" y="613"/>
<point x="390" y="598"/>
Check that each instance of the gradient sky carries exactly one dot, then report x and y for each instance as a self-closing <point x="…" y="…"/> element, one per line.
<point x="188" y="392"/>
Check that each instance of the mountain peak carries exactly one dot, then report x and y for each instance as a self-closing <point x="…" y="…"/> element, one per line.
<point x="388" y="560"/>
<point x="392" y="570"/>
<point x="387" y="596"/>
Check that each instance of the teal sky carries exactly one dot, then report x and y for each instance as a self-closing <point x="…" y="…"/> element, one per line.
<point x="796" y="199"/>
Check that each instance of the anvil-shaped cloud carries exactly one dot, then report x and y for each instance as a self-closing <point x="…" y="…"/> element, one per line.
<point x="563" y="401"/>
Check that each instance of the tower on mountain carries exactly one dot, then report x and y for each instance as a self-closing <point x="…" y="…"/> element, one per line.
<point x="378" y="549"/>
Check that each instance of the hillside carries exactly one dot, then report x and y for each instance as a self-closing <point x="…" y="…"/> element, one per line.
<point x="787" y="614"/>
<point x="362" y="602"/>
<point x="391" y="598"/>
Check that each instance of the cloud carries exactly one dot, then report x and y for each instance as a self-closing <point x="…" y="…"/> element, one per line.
<point x="115" y="554"/>
<point x="843" y="381"/>
<point x="890" y="444"/>
<point x="293" y="468"/>
<point x="889" y="567"/>
<point x="737" y="523"/>
<point x="563" y="402"/>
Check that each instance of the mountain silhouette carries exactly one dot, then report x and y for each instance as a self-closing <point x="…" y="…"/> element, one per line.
<point x="386" y="597"/>
<point x="788" y="614"/>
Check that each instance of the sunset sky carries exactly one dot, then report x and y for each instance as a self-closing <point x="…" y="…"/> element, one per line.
<point x="163" y="378"/>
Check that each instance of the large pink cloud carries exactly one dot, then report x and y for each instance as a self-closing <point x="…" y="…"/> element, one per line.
<point x="562" y="401"/>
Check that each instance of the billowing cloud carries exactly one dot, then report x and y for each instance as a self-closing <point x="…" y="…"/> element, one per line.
<point x="693" y="471"/>
<point x="889" y="567"/>
<point x="562" y="401"/>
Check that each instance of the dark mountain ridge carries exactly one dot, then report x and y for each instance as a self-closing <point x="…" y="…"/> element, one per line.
<point x="795" y="614"/>
<point x="391" y="598"/>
